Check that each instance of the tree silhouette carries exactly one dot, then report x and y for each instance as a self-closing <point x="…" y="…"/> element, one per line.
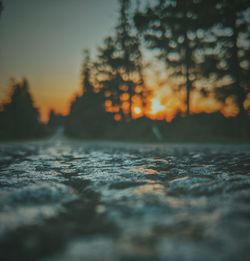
<point x="20" y="119"/>
<point x="86" y="83"/>
<point x="120" y="66"/>
<point x="231" y="64"/>
<point x="107" y="75"/>
<point x="130" y="53"/>
<point x="87" y="116"/>
<point x="201" y="39"/>
<point x="171" y="27"/>
<point x="1" y="7"/>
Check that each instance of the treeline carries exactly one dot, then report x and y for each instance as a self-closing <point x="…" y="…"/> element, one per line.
<point x="202" y="42"/>
<point x="205" y="46"/>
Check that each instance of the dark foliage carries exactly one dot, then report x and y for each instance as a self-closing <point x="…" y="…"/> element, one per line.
<point x="87" y="118"/>
<point x="119" y="66"/>
<point x="56" y="120"/>
<point x="201" y="39"/>
<point x="19" y="118"/>
<point x="1" y="7"/>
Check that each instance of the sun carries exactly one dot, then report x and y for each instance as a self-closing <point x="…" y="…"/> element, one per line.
<point x="156" y="106"/>
<point x="137" y="110"/>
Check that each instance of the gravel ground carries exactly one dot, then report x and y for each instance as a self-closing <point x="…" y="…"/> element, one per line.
<point x="73" y="200"/>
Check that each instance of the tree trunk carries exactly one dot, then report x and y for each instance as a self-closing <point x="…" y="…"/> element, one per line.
<point x="130" y="100"/>
<point x="187" y="74"/>
<point x="240" y="93"/>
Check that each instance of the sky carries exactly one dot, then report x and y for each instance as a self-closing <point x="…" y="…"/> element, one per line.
<point x="44" y="40"/>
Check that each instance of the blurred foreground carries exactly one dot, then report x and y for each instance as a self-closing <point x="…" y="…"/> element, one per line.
<point x="68" y="200"/>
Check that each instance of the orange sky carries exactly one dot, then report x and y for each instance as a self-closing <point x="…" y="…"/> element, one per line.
<point x="51" y="38"/>
<point x="44" y="42"/>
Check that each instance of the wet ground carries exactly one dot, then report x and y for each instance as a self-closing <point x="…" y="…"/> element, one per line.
<point x="74" y="200"/>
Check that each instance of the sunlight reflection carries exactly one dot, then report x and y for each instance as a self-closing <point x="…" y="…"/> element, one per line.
<point x="146" y="171"/>
<point x="154" y="188"/>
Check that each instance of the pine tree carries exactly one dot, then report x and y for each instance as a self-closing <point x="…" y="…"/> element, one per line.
<point x="233" y="38"/>
<point x="87" y="115"/>
<point x="107" y="74"/>
<point x="130" y="53"/>
<point x="86" y="69"/>
<point x="21" y="118"/>
<point x="120" y="64"/>
<point x="171" y="27"/>
<point x="1" y="7"/>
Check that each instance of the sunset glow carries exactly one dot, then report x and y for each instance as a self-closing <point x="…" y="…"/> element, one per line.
<point x="53" y="65"/>
<point x="156" y="106"/>
<point x="159" y="105"/>
<point x="137" y="110"/>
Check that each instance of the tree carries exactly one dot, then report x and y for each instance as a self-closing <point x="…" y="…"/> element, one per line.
<point x="232" y="34"/>
<point x="172" y="26"/>
<point x="201" y="39"/>
<point x="1" y="7"/>
<point x="86" y="70"/>
<point x="87" y="116"/>
<point x="107" y="75"/>
<point x="120" y="64"/>
<point x="130" y="53"/>
<point x="20" y="117"/>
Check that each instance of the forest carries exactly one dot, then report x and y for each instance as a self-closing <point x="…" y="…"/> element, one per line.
<point x="194" y="84"/>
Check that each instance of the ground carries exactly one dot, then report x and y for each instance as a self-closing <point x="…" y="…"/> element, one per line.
<point x="73" y="200"/>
